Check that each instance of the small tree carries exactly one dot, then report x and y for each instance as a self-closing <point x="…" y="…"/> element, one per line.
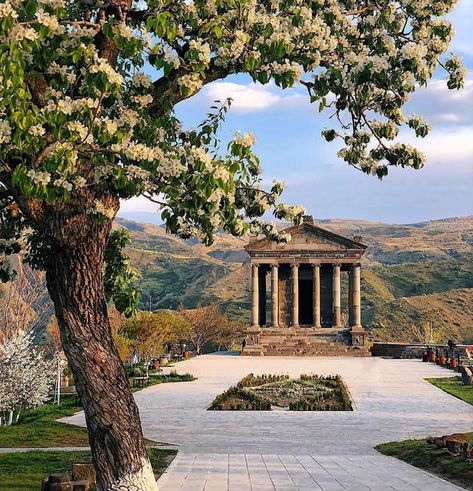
<point x="26" y="377"/>
<point x="426" y="333"/>
<point x="233" y="332"/>
<point x="151" y="332"/>
<point x="207" y="325"/>
<point x="24" y="303"/>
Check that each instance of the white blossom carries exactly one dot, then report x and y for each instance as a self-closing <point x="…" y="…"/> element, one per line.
<point x="25" y="376"/>
<point x="37" y="130"/>
<point x="5" y="132"/>
<point x="246" y="140"/>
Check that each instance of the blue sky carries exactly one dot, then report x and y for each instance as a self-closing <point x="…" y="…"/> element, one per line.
<point x="291" y="149"/>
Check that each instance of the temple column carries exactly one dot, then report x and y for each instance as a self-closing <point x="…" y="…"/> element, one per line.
<point x="316" y="294"/>
<point x="255" y="295"/>
<point x="355" y="296"/>
<point x="295" y="294"/>
<point x="336" y="300"/>
<point x="274" y="295"/>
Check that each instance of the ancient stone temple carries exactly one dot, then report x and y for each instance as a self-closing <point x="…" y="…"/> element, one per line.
<point x="297" y="306"/>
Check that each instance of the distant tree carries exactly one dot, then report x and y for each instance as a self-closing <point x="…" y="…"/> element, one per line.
<point x="207" y="325"/>
<point x="123" y="344"/>
<point x="82" y="126"/>
<point x="233" y="332"/>
<point x="151" y="332"/>
<point x="24" y="302"/>
<point x="425" y="332"/>
<point x="52" y="330"/>
<point x="26" y="377"/>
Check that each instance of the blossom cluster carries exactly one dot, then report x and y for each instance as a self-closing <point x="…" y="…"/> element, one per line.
<point x="78" y="114"/>
<point x="26" y="376"/>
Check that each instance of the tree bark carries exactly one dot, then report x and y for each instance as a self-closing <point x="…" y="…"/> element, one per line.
<point x="75" y="282"/>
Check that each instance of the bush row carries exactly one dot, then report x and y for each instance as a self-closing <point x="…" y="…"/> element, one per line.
<point x="246" y="400"/>
<point x="252" y="380"/>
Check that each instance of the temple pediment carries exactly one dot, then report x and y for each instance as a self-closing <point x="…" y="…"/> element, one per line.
<point x="308" y="237"/>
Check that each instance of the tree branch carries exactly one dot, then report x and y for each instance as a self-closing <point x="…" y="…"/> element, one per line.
<point x="139" y="15"/>
<point x="167" y="87"/>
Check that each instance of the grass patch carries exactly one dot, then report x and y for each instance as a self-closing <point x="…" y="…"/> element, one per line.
<point x="24" y="471"/>
<point x="454" y="387"/>
<point x="159" y="378"/>
<point x="430" y="458"/>
<point x="39" y="428"/>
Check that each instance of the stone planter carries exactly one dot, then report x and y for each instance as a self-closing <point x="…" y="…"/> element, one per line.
<point x="454" y="447"/>
<point x="432" y="357"/>
<point x="467" y="452"/>
<point x="442" y="360"/>
<point x="84" y="472"/>
<point x="57" y="482"/>
<point x="467" y="375"/>
<point x="163" y="361"/>
<point x="440" y="442"/>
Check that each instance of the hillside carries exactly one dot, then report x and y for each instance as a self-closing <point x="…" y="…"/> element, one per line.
<point x="411" y="273"/>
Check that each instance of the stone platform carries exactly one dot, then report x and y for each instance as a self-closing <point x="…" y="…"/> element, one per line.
<point x="300" y="341"/>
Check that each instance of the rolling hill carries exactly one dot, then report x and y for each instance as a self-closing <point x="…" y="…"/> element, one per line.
<point x="411" y="273"/>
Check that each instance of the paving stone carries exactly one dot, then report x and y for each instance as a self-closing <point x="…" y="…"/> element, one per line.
<point x="280" y="449"/>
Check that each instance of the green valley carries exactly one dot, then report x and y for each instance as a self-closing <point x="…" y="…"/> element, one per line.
<point x="412" y="274"/>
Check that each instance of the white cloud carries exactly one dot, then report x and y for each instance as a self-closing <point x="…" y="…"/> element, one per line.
<point x="453" y="146"/>
<point x="248" y="98"/>
<point x="139" y="204"/>
<point x="439" y="104"/>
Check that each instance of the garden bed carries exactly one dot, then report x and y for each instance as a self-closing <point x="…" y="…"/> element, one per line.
<point x="281" y="393"/>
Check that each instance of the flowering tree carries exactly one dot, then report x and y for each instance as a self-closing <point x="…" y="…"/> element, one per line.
<point x="82" y="126"/>
<point x="26" y="377"/>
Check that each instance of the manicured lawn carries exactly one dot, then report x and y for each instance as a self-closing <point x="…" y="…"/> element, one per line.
<point x="454" y="386"/>
<point x="429" y="457"/>
<point x="173" y="376"/>
<point x="24" y="471"/>
<point x="39" y="428"/>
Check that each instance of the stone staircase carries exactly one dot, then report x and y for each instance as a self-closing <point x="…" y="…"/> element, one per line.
<point x="304" y="342"/>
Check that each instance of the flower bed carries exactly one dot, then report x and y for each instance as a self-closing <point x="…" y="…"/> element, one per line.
<point x="279" y="392"/>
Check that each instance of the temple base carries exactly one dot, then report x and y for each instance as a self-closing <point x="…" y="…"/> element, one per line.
<point x="304" y="341"/>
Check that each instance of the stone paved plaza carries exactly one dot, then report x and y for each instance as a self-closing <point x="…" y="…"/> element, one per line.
<point x="281" y="450"/>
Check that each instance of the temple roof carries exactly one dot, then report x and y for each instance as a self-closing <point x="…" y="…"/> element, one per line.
<point x="309" y="238"/>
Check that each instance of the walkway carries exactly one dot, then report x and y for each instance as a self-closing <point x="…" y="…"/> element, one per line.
<point x="217" y="472"/>
<point x="392" y="400"/>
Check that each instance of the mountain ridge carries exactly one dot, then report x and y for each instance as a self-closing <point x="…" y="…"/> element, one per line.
<point x="430" y="261"/>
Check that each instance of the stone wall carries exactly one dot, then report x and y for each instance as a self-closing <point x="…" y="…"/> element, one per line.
<point x="413" y="350"/>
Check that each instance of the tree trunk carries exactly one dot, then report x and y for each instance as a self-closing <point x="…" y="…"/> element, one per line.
<point x="76" y="285"/>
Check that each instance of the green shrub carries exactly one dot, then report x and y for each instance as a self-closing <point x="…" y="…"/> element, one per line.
<point x="308" y="393"/>
<point x="247" y="401"/>
<point x="252" y="380"/>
